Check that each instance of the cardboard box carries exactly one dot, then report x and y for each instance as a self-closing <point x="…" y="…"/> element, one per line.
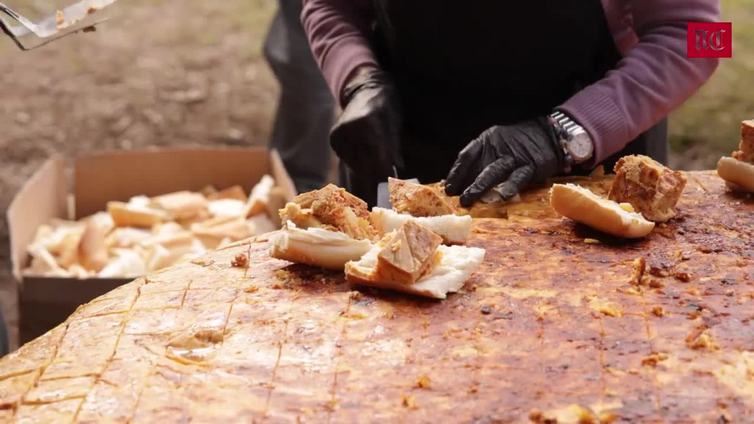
<point x="96" y="179"/>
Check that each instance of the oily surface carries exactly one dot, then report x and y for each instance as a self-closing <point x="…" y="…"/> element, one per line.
<point x="551" y="320"/>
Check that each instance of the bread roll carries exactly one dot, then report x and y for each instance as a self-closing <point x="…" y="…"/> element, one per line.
<point x="317" y="247"/>
<point x="231" y="193"/>
<point x="126" y="215"/>
<point x="181" y="205"/>
<point x="454" y="266"/>
<point x="583" y="206"/>
<point x="737" y="173"/>
<point x="92" y="248"/>
<point x="259" y="197"/>
<point x="452" y="228"/>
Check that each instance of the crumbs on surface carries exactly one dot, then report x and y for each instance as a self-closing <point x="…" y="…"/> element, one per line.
<point x="240" y="261"/>
<point x="701" y="339"/>
<point x="423" y="382"/>
<point x="409" y="402"/>
<point x="653" y="359"/>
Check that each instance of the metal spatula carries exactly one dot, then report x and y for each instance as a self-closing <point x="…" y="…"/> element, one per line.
<point x="72" y="19"/>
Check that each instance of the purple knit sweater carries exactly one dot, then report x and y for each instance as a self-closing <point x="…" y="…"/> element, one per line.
<point x="654" y="76"/>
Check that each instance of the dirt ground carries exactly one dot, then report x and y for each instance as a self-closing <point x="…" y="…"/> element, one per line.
<point x="190" y="72"/>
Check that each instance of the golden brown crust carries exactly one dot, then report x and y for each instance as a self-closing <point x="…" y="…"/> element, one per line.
<point x="417" y="200"/>
<point x="650" y="187"/>
<point x="329" y="199"/>
<point x="330" y="208"/>
<point x="747" y="131"/>
<point x="407" y="253"/>
<point x="745" y="150"/>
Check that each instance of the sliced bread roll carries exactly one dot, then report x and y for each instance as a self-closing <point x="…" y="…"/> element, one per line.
<point x="128" y="215"/>
<point x="181" y="205"/>
<point x="581" y="205"/>
<point x="317" y="247"/>
<point x="738" y="174"/>
<point x="92" y="247"/>
<point x="453" y="229"/>
<point x="259" y="197"/>
<point x="453" y="266"/>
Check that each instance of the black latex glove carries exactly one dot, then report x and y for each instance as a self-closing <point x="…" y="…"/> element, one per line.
<point x="514" y="155"/>
<point x="366" y="137"/>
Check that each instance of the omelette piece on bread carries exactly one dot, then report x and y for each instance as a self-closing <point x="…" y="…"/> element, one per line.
<point x="412" y="260"/>
<point x="417" y="199"/>
<point x="331" y="208"/>
<point x="650" y="187"/>
<point x="738" y="170"/>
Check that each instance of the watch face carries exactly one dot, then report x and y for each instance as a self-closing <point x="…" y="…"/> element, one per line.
<point x="580" y="147"/>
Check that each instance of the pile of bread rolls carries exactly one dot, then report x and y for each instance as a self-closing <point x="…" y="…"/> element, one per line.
<point x="146" y="234"/>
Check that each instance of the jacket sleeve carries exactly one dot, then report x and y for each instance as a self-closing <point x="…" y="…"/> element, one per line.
<point x="338" y="35"/>
<point x="654" y="76"/>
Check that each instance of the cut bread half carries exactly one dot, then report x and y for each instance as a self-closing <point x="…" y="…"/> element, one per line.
<point x="92" y="248"/>
<point x="316" y="247"/>
<point x="581" y="205"/>
<point x="132" y="215"/>
<point x="738" y="174"/>
<point x="181" y="205"/>
<point x="453" y="229"/>
<point x="453" y="266"/>
<point x="235" y="192"/>
<point x="259" y="197"/>
<point x="128" y="263"/>
<point x="212" y="232"/>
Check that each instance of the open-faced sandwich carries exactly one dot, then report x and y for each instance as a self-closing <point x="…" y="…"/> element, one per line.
<point x="325" y="228"/>
<point x="738" y="170"/>
<point x="421" y="204"/>
<point x="581" y="205"/>
<point x="412" y="259"/>
<point x="331" y="228"/>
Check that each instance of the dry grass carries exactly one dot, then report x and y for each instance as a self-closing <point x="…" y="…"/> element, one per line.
<point x="708" y="125"/>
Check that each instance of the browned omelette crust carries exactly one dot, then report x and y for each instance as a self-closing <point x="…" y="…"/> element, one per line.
<point x="417" y="199"/>
<point x="332" y="208"/>
<point x="650" y="187"/>
<point x="745" y="150"/>
<point x="548" y="322"/>
<point x="407" y="253"/>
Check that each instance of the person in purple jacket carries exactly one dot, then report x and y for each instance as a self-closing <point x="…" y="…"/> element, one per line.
<point x="503" y="94"/>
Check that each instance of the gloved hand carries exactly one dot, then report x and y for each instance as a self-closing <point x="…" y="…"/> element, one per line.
<point x="366" y="137"/>
<point x="514" y="155"/>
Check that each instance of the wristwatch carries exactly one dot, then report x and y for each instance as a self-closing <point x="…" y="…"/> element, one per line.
<point x="573" y="138"/>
